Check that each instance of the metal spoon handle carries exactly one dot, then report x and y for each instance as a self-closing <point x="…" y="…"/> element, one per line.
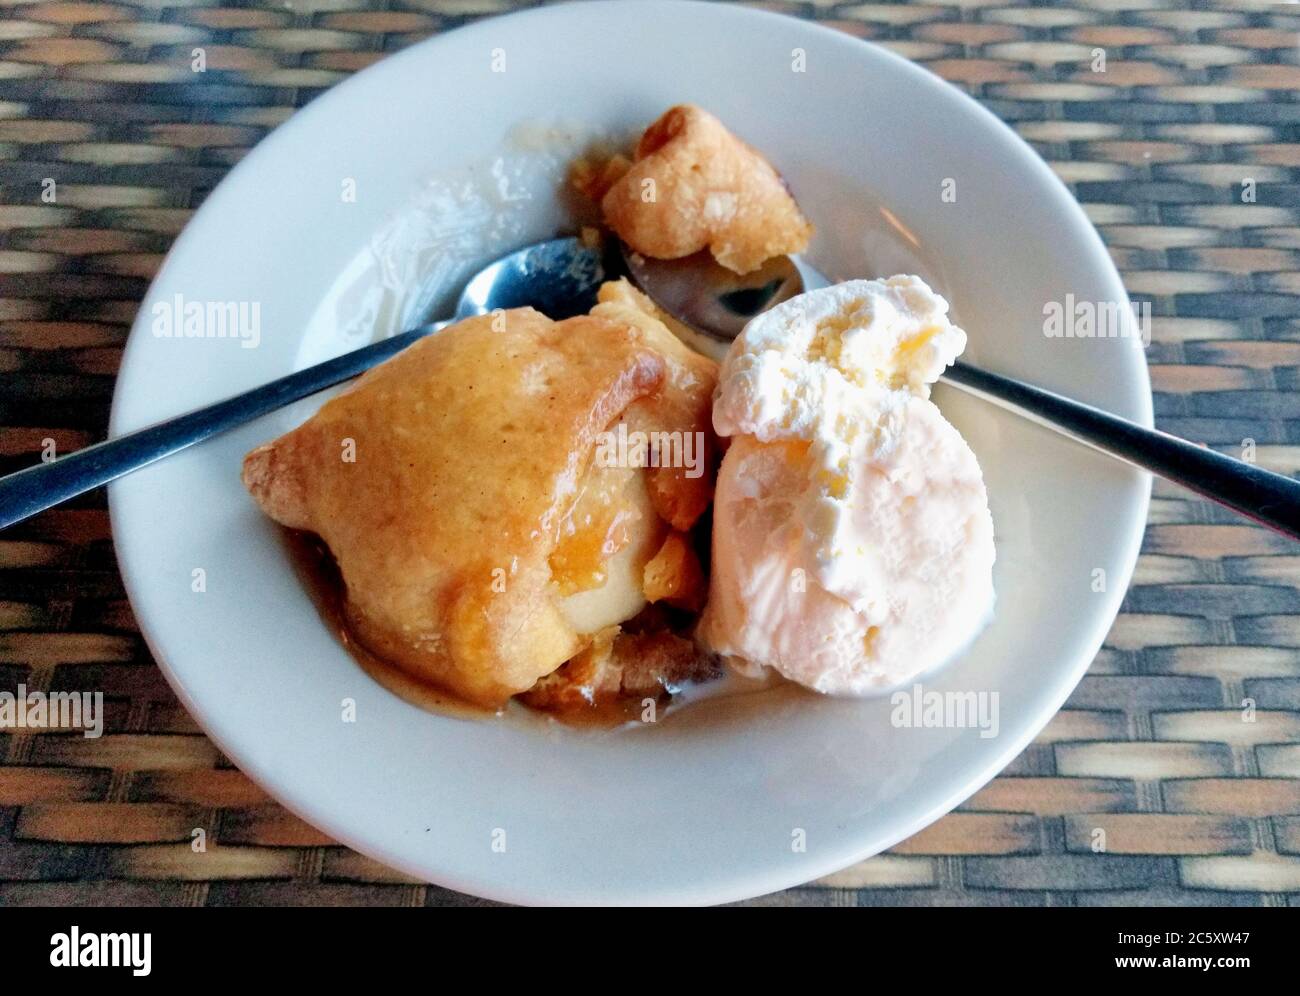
<point x="1270" y="499"/>
<point x="26" y="492"/>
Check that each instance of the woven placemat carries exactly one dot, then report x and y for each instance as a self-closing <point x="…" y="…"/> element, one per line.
<point x="1199" y="801"/>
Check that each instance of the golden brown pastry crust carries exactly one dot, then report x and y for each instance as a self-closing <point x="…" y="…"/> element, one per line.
<point x="467" y="449"/>
<point x="710" y="190"/>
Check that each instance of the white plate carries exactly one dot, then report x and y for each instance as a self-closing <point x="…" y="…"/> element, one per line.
<point x="706" y="806"/>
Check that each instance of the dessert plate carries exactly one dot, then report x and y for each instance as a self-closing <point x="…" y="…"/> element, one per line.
<point x="405" y="177"/>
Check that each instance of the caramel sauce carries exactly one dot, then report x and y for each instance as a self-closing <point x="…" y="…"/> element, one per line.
<point x="320" y="576"/>
<point x="604" y="714"/>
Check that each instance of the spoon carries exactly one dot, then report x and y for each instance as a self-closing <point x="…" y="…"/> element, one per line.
<point x="715" y="302"/>
<point x="558" y="277"/>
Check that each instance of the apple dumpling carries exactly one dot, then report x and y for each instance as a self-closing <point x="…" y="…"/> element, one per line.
<point x="490" y="495"/>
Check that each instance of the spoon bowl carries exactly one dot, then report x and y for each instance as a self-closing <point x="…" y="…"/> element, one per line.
<point x="706" y="296"/>
<point x="558" y="277"/>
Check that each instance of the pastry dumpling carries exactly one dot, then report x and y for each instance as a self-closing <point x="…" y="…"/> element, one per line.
<point x="693" y="185"/>
<point x="480" y="542"/>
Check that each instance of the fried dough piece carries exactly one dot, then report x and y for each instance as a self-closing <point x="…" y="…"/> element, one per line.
<point x="694" y="185"/>
<point x="440" y="482"/>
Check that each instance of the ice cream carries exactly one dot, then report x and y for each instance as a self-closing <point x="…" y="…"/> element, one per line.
<point x="852" y="541"/>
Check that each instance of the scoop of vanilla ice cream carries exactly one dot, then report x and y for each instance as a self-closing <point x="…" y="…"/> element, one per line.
<point x="853" y="546"/>
<point x="797" y="369"/>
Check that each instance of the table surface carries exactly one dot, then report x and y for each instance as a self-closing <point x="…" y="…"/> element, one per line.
<point x="1198" y="794"/>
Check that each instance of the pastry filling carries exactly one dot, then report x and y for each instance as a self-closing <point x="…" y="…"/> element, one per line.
<point x="605" y="541"/>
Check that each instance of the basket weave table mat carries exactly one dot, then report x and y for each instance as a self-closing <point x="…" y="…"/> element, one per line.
<point x="1198" y="806"/>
